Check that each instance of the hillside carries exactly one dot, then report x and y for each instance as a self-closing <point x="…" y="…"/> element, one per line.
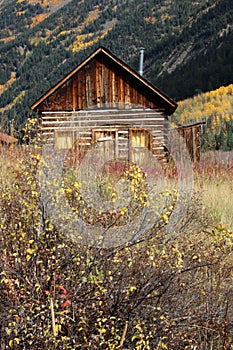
<point x="188" y="45"/>
<point x="214" y="107"/>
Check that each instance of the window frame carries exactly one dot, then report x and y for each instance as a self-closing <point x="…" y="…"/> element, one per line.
<point x="74" y="137"/>
<point x="150" y="137"/>
<point x="115" y="130"/>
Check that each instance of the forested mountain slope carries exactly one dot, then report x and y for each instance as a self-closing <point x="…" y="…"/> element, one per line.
<point x="216" y="109"/>
<point x="188" y="44"/>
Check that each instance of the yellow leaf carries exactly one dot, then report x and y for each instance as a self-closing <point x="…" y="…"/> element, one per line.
<point x="8" y="331"/>
<point x="58" y="328"/>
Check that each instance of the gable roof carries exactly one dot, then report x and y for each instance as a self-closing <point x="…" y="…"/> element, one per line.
<point x="170" y="105"/>
<point x="7" y="138"/>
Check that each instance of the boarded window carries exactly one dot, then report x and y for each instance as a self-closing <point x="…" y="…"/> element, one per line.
<point x="106" y="141"/>
<point x="140" y="143"/>
<point x="65" y="139"/>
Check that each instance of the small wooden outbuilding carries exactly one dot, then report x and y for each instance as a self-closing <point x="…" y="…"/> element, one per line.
<point x="192" y="135"/>
<point x="6" y="140"/>
<point x="104" y="101"/>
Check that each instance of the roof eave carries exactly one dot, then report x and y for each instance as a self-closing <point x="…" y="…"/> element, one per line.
<point x="63" y="80"/>
<point x="170" y="110"/>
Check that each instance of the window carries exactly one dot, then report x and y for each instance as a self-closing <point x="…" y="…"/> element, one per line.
<point x="140" y="141"/>
<point x="106" y="140"/>
<point x="65" y="139"/>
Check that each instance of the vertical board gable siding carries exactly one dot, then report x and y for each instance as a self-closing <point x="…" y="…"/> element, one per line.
<point x="100" y="82"/>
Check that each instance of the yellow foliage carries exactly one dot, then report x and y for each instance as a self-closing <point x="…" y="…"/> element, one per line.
<point x="45" y="3"/>
<point x="151" y="20"/>
<point x="216" y="107"/>
<point x="91" y="17"/>
<point x="82" y="41"/>
<point x="39" y="18"/>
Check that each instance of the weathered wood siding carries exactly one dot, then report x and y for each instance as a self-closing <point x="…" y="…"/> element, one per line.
<point x="192" y="137"/>
<point x="7" y="140"/>
<point x="83" y="128"/>
<point x="101" y="82"/>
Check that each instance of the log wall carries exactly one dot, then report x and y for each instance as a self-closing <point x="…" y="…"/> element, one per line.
<point x="81" y="126"/>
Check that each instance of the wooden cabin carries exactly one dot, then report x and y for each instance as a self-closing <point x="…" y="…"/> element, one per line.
<point x="104" y="101"/>
<point x="6" y="141"/>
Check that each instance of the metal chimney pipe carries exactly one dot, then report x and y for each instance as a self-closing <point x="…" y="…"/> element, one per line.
<point x="141" y="57"/>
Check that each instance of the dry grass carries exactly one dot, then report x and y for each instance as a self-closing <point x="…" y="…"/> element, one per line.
<point x="214" y="177"/>
<point x="217" y="197"/>
<point x="8" y="164"/>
